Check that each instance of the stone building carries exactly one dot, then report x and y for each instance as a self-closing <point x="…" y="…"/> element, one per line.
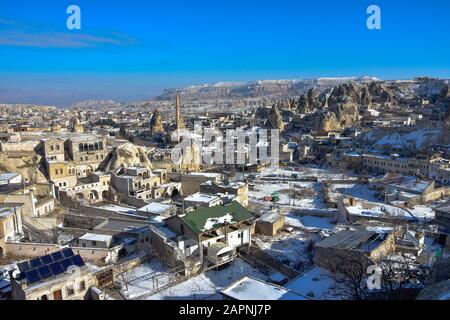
<point x="211" y="235"/>
<point x="53" y="149"/>
<point x="138" y="182"/>
<point x="334" y="252"/>
<point x="442" y="218"/>
<point x="190" y="183"/>
<point x="10" y="223"/>
<point x="237" y="188"/>
<point x="61" y="173"/>
<point x="88" y="151"/>
<point x="270" y="223"/>
<point x="94" y="188"/>
<point x="61" y="275"/>
<point x="38" y="199"/>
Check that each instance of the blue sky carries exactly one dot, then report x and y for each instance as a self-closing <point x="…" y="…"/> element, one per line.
<point x="133" y="49"/>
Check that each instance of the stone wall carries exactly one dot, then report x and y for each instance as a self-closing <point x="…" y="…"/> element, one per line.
<point x="33" y="250"/>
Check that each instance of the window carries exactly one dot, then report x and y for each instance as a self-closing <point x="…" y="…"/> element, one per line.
<point x="61" y="171"/>
<point x="94" y="243"/>
<point x="51" y="148"/>
<point x="70" y="291"/>
<point x="57" y="147"/>
<point x="82" y="285"/>
<point x="56" y="171"/>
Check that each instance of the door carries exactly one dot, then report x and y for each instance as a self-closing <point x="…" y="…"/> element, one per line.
<point x="57" y="295"/>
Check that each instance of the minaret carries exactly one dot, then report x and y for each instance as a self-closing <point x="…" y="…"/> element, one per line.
<point x="177" y="117"/>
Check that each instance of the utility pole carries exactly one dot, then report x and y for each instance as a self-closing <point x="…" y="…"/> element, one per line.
<point x="293" y="198"/>
<point x="289" y="193"/>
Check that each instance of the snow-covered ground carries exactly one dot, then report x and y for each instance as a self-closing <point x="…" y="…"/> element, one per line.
<point x="287" y="248"/>
<point x="312" y="199"/>
<point x="355" y="190"/>
<point x="305" y="171"/>
<point x="141" y="279"/>
<point x="207" y="286"/>
<point x="315" y="284"/>
<point x="422" y="212"/>
<point x="309" y="222"/>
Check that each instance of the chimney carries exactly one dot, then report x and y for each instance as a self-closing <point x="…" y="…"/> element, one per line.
<point x="352" y="201"/>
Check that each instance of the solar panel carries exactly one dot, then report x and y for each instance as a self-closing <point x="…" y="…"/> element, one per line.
<point x="32" y="276"/>
<point x="77" y="260"/>
<point x="23" y="266"/>
<point x="66" y="263"/>
<point x="57" y="256"/>
<point x="56" y="268"/>
<point x="45" y="272"/>
<point x="67" y="252"/>
<point x="47" y="259"/>
<point x="35" y="263"/>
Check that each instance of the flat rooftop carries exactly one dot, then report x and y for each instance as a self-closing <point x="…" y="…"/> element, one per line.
<point x="346" y="239"/>
<point x="7" y="210"/>
<point x="120" y="225"/>
<point x="96" y="237"/>
<point x="249" y="288"/>
<point x="155" y="208"/>
<point x="201" y="197"/>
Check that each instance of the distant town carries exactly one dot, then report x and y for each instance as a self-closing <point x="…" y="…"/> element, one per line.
<point x="338" y="190"/>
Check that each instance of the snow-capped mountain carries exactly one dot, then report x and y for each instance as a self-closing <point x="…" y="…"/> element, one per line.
<point x="256" y="89"/>
<point x="423" y="87"/>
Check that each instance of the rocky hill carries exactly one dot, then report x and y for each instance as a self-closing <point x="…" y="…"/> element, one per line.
<point x="254" y="89"/>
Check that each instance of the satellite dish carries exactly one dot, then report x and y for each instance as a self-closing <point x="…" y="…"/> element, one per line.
<point x="16" y="274"/>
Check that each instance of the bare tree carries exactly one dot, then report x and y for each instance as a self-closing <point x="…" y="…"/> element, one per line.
<point x="349" y="273"/>
<point x="125" y="275"/>
<point x="399" y="274"/>
<point x="309" y="251"/>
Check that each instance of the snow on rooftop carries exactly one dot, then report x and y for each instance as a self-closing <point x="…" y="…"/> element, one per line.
<point x="155" y="208"/>
<point x="211" y="222"/>
<point x="314" y="283"/>
<point x="370" y="209"/>
<point x="201" y="197"/>
<point x="205" y="174"/>
<point x="248" y="288"/>
<point x="96" y="237"/>
<point x="120" y="209"/>
<point x="8" y="175"/>
<point x="207" y="285"/>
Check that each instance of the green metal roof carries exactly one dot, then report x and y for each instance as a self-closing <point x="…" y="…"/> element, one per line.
<point x="197" y="219"/>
